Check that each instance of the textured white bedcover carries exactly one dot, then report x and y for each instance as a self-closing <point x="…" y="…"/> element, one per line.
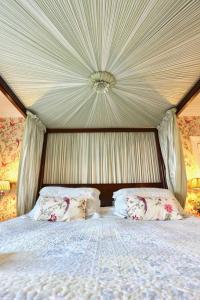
<point x="108" y="258"/>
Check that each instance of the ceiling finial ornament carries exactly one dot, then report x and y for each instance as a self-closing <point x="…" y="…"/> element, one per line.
<point x="102" y="81"/>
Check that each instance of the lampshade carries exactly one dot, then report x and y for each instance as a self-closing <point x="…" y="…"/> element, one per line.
<point x="195" y="183"/>
<point x="4" y="185"/>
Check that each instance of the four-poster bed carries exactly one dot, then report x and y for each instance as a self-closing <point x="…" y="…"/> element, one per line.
<point x="99" y="83"/>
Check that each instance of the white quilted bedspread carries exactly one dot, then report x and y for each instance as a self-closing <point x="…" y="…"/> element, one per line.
<point x="108" y="258"/>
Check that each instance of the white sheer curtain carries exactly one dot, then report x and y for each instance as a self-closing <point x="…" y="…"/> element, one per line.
<point x="173" y="155"/>
<point x="101" y="157"/>
<point x="29" y="163"/>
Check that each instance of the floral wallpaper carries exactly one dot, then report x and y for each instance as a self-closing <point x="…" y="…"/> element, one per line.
<point x="11" y="132"/>
<point x="8" y="204"/>
<point x="190" y="126"/>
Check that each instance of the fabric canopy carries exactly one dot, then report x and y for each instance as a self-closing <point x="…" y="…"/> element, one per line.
<point x="173" y="156"/>
<point x="30" y="160"/>
<point x="49" y="48"/>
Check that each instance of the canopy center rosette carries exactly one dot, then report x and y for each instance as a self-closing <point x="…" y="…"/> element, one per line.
<point x="102" y="81"/>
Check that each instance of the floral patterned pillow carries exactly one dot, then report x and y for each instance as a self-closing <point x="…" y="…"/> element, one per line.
<point x="153" y="208"/>
<point x="60" y="209"/>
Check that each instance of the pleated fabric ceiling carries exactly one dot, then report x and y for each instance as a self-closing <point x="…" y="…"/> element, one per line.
<point x="50" y="48"/>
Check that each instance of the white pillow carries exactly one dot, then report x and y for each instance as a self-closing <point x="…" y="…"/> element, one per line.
<point x="120" y="196"/>
<point x="92" y="194"/>
<point x="120" y="204"/>
<point x="59" y="191"/>
<point x="153" y="208"/>
<point x="60" y="209"/>
<point x="143" y="192"/>
<point x="35" y="209"/>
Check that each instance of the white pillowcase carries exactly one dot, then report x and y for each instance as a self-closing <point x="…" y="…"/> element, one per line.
<point x="120" y="197"/>
<point x="60" y="209"/>
<point x="49" y="191"/>
<point x="143" y="192"/>
<point x="153" y="208"/>
<point x="92" y="195"/>
<point x="121" y="209"/>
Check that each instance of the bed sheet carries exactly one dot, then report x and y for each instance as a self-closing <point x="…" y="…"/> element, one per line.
<point x="104" y="258"/>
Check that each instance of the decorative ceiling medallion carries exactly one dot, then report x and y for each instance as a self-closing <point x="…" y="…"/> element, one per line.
<point x="102" y="81"/>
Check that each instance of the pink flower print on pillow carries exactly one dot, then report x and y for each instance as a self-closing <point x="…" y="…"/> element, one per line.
<point x="67" y="201"/>
<point x="152" y="208"/>
<point x="134" y="217"/>
<point x="168" y="208"/>
<point x="53" y="218"/>
<point x="144" y="202"/>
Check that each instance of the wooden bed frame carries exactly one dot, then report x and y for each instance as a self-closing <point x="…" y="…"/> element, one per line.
<point x="108" y="188"/>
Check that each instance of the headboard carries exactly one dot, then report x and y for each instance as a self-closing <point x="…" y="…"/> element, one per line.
<point x="108" y="189"/>
<point x="149" y="152"/>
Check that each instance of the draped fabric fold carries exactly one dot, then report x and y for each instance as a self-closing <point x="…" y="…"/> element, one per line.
<point x="29" y="166"/>
<point x="150" y="46"/>
<point x="171" y="148"/>
<point x="111" y="157"/>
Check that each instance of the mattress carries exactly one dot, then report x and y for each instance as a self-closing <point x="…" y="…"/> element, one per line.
<point x="101" y="258"/>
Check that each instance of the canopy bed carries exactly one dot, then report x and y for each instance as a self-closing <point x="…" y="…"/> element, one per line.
<point x="104" y="256"/>
<point x="102" y="183"/>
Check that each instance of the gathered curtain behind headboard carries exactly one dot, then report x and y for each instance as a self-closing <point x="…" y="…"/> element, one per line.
<point x="101" y="157"/>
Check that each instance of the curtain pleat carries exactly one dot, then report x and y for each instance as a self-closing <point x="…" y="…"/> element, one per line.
<point x="29" y="166"/>
<point x="121" y="157"/>
<point x="49" y="48"/>
<point x="171" y="148"/>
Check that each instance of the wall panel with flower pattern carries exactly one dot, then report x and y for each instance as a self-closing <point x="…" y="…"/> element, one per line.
<point x="190" y="126"/>
<point x="11" y="132"/>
